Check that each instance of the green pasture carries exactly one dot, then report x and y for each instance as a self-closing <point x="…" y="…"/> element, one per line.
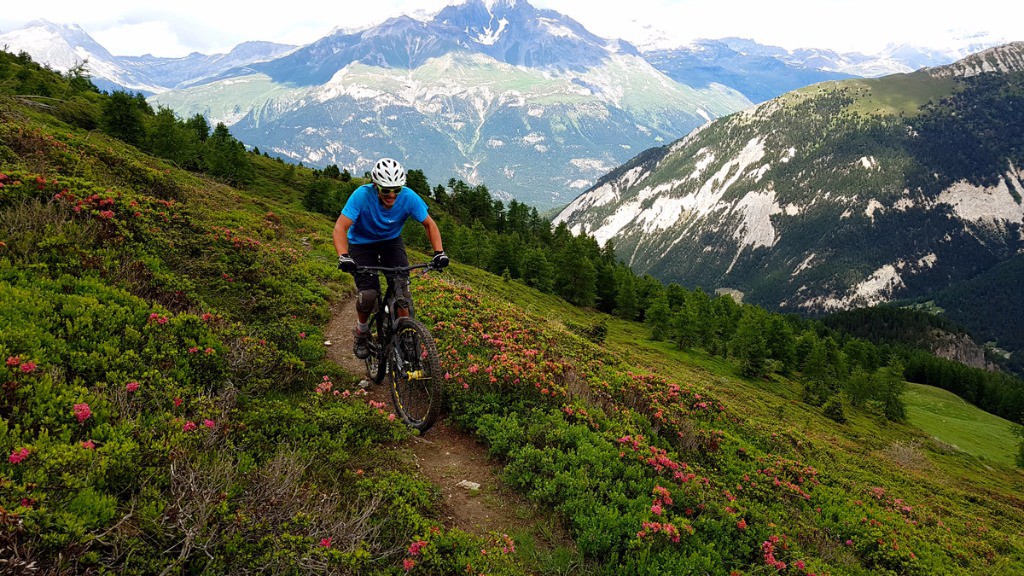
<point x="955" y="422"/>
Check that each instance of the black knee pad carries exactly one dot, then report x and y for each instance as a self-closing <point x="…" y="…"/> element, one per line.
<point x="366" y="301"/>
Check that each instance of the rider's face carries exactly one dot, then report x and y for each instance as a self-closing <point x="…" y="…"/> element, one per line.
<point x="387" y="196"/>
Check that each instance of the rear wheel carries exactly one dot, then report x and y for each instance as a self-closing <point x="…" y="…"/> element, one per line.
<point x="415" y="375"/>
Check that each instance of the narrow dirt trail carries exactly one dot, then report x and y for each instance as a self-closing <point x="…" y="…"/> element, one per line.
<point x="444" y="455"/>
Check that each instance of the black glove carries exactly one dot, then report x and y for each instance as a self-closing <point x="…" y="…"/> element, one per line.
<point x="440" y="260"/>
<point x="346" y="263"/>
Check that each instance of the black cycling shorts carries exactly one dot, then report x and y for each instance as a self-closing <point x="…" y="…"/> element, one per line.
<point x="389" y="253"/>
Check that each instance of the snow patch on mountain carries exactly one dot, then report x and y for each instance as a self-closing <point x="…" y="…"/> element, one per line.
<point x="489" y="36"/>
<point x="807" y="263"/>
<point x="592" y="164"/>
<point x="755" y="229"/>
<point x="868" y="162"/>
<point x="556" y="28"/>
<point x="666" y="211"/>
<point x="704" y="159"/>
<point x="875" y="289"/>
<point x="992" y="207"/>
<point x="873" y="206"/>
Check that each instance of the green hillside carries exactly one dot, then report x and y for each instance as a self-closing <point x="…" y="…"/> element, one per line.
<point x="956" y="423"/>
<point x="167" y="407"/>
<point x="841" y="195"/>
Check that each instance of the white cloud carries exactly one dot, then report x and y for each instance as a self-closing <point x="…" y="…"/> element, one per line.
<point x="846" y="25"/>
<point x="177" y="28"/>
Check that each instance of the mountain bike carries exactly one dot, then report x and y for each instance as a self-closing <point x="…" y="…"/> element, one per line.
<point x="401" y="347"/>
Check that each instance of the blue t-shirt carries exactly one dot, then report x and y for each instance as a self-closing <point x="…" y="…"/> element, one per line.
<point x="371" y="222"/>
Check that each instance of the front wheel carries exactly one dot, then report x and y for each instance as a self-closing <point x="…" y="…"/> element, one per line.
<point x="375" y="362"/>
<point x="415" y="375"/>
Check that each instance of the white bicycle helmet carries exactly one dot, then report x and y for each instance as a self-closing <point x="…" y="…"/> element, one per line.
<point x="388" y="173"/>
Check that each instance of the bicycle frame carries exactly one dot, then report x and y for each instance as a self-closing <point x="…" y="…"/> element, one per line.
<point x="384" y="319"/>
<point x="404" y="348"/>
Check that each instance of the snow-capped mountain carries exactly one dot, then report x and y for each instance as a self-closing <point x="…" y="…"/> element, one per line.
<point x="839" y="195"/>
<point x="63" y="47"/>
<point x="759" y="72"/>
<point x="526" y="101"/>
<point x="762" y="72"/>
<point x="171" y="73"/>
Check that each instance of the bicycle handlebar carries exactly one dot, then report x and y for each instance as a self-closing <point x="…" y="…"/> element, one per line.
<point x="398" y="270"/>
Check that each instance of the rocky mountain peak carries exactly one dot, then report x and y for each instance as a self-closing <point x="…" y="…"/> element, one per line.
<point x="1005" y="59"/>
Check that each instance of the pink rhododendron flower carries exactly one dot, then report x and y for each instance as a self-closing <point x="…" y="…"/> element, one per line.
<point x="89" y="445"/>
<point x="209" y="423"/>
<point x="415" y="547"/>
<point x="82" y="412"/>
<point x="131" y="386"/>
<point x="177" y="402"/>
<point x="408" y="563"/>
<point x="13" y="361"/>
<point x="326" y="542"/>
<point x="28" y="367"/>
<point x="189" y="426"/>
<point x="18" y="456"/>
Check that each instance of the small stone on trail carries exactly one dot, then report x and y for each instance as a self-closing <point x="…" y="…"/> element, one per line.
<point x="327" y="342"/>
<point x="468" y="485"/>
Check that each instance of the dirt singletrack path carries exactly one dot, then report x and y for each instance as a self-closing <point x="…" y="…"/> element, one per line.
<point x="445" y="455"/>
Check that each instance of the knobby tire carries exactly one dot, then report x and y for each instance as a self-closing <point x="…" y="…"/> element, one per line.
<point x="375" y="362"/>
<point x="415" y="375"/>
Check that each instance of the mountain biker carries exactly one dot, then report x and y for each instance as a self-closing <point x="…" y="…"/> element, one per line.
<point x="369" y="233"/>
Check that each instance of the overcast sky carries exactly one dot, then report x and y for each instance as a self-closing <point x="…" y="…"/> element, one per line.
<point x="132" y="28"/>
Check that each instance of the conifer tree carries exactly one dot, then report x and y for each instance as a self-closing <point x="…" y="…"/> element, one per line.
<point x="225" y="157"/>
<point x="685" y="328"/>
<point x="537" y="270"/>
<point x="416" y="180"/>
<point x="1018" y="431"/>
<point x="169" y="138"/>
<point x="749" y="344"/>
<point x="199" y="126"/>
<point x="122" y="118"/>
<point x="891" y="386"/>
<point x="659" y="320"/>
<point x="575" y="275"/>
<point x="626" y="304"/>
<point x="860" y="387"/>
